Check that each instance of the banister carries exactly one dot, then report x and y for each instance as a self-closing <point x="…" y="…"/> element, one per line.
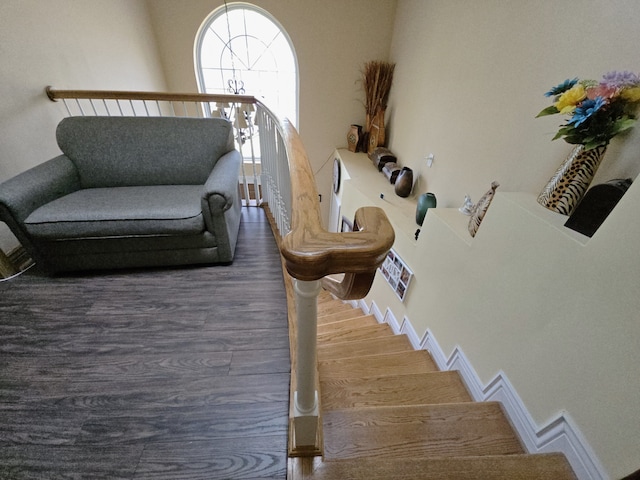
<point x="55" y="94"/>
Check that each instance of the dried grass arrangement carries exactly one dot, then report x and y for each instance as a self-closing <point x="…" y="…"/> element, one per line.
<point x="377" y="78"/>
<point x="376" y="81"/>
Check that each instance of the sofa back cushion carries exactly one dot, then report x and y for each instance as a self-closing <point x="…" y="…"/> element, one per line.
<point x="137" y="151"/>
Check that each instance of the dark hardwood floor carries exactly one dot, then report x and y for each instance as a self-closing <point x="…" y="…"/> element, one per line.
<point x="175" y="373"/>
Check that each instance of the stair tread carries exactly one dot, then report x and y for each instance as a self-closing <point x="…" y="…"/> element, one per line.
<point x="328" y="309"/>
<point x="411" y="389"/>
<point x="340" y="315"/>
<point x="453" y="429"/>
<point x="548" y="466"/>
<point x="417" y="361"/>
<point x="347" y="324"/>
<point x="373" y="346"/>
<point x="362" y="333"/>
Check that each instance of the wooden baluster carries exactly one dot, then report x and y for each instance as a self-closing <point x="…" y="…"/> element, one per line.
<point x="93" y="107"/>
<point x="306" y="412"/>
<point x="66" y="105"/>
<point x="80" y="107"/>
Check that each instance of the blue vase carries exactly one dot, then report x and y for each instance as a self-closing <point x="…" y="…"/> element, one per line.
<point x="425" y="202"/>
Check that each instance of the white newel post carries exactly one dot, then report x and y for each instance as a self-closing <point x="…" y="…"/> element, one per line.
<point x="306" y="397"/>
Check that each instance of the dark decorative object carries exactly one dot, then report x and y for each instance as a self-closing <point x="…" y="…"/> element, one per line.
<point x="363" y="142"/>
<point x="353" y="137"/>
<point x="336" y="175"/>
<point x="391" y="171"/>
<point x="404" y="182"/>
<point x="568" y="185"/>
<point x="380" y="156"/>
<point x="425" y="202"/>
<point x="596" y="206"/>
<point x="481" y="208"/>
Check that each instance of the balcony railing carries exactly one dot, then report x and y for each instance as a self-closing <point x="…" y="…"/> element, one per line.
<point x="277" y="176"/>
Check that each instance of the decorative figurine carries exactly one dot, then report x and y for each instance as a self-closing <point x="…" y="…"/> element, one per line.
<point x="468" y="206"/>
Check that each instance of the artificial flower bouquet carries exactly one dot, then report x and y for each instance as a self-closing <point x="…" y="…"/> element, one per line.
<point x="598" y="111"/>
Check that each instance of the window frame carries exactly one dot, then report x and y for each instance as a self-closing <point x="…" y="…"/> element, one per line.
<point x="220" y="12"/>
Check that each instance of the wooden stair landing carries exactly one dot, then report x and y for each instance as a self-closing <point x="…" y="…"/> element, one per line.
<point x="389" y="413"/>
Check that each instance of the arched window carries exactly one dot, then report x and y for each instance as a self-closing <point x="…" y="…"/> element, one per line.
<point x="240" y="48"/>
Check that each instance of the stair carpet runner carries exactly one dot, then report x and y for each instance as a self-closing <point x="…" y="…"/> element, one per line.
<point x="389" y="413"/>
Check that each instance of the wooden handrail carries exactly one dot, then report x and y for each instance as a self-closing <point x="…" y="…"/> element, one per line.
<point x="310" y="251"/>
<point x="55" y="95"/>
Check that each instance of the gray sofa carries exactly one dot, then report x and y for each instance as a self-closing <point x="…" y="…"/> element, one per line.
<point x="129" y="192"/>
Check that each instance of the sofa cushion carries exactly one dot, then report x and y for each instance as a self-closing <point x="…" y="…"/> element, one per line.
<point x="131" y="151"/>
<point x="120" y="211"/>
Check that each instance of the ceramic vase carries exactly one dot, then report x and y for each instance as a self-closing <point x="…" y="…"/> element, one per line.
<point x="425" y="202"/>
<point x="375" y="130"/>
<point x="404" y="182"/>
<point x="568" y="185"/>
<point x="480" y="209"/>
<point x="378" y="121"/>
<point x="353" y="137"/>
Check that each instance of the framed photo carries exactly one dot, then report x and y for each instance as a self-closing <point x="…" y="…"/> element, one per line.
<point x="397" y="274"/>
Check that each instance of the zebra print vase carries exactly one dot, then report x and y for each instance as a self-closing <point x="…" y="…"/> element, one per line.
<point x="568" y="185"/>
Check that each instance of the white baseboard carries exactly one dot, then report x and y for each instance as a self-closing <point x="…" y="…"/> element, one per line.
<point x="559" y="435"/>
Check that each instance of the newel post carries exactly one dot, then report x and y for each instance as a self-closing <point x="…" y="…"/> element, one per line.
<point x="306" y="410"/>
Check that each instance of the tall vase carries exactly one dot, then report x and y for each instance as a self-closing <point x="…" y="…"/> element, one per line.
<point x="378" y="121"/>
<point x="425" y="202"/>
<point x="375" y="130"/>
<point x="568" y="185"/>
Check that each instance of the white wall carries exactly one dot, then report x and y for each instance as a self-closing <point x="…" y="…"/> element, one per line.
<point x="559" y="318"/>
<point x="332" y="39"/>
<point x="470" y="79"/>
<point x="97" y="44"/>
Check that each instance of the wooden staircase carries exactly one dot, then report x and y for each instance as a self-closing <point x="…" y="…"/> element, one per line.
<point x="389" y="413"/>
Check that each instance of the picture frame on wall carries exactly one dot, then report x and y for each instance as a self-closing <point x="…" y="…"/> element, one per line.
<point x="397" y="274"/>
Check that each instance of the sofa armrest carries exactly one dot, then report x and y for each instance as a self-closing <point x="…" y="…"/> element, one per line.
<point x="221" y="188"/>
<point x="37" y="186"/>
<point x="22" y="194"/>
<point x="221" y="204"/>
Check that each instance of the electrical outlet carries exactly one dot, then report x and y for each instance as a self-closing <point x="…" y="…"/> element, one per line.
<point x="429" y="160"/>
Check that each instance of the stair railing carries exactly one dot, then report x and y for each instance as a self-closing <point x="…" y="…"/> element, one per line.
<point x="284" y="184"/>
